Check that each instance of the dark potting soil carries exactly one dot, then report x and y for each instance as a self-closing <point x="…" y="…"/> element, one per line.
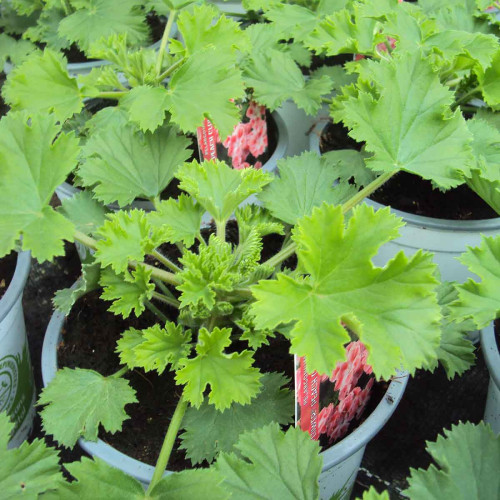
<point x="401" y="190"/>
<point x="7" y="269"/>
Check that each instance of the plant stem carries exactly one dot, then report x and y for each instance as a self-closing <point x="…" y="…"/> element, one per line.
<point x="155" y="310"/>
<point x="221" y="229"/>
<point x="85" y="240"/>
<point x="282" y="255"/>
<point x="120" y="372"/>
<point x="166" y="262"/>
<point x="164" y="42"/>
<point x="452" y="83"/>
<point x="170" y="70"/>
<point x="160" y="274"/>
<point x="168" y="443"/>
<point x="367" y="191"/>
<point x="465" y="98"/>
<point x="166" y="300"/>
<point x="242" y="15"/>
<point x="163" y="288"/>
<point x="113" y="95"/>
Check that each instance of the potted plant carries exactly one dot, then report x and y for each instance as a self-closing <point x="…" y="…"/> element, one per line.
<point x="72" y="27"/>
<point x="479" y="302"/>
<point x="223" y="302"/>
<point x="17" y="388"/>
<point x="438" y="73"/>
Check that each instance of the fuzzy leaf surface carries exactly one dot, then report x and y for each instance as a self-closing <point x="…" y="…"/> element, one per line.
<point x="79" y="401"/>
<point x="179" y="220"/>
<point x="34" y="159"/>
<point x="209" y="432"/>
<point x="280" y="465"/>
<point x="125" y="236"/>
<point x="467" y="458"/>
<point x="219" y="188"/>
<point x="231" y="377"/>
<point x="41" y="84"/>
<point x="86" y="213"/>
<point x="128" y="291"/>
<point x="276" y="77"/>
<point x="480" y="301"/>
<point x="127" y="164"/>
<point x="30" y="470"/>
<point x="161" y="346"/>
<point x="102" y="18"/>
<point x="409" y="125"/>
<point x="202" y="88"/>
<point x="393" y="310"/>
<point x="305" y="182"/>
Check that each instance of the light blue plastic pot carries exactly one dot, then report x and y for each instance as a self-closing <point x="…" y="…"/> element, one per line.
<point x="492" y="358"/>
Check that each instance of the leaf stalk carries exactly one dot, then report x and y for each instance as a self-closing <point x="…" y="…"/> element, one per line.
<point x="164" y="42"/>
<point x="166" y="300"/>
<point x="166" y="261"/>
<point x="171" y="69"/>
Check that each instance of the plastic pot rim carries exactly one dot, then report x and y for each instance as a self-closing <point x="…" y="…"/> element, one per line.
<point x="491" y="353"/>
<point x="412" y="219"/>
<point x="16" y="286"/>
<point x="270" y="166"/>
<point x="143" y="472"/>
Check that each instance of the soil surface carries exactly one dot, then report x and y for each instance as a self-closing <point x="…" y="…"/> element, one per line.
<point x="7" y="269"/>
<point x="410" y="193"/>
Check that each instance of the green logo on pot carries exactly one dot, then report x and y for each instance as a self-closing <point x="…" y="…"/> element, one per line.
<point x="16" y="387"/>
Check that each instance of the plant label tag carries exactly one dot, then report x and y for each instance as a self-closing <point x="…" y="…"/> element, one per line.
<point x="208" y="137"/>
<point x="306" y="398"/>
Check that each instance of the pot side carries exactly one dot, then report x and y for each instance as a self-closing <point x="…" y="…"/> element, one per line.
<point x="17" y="387"/>
<point x="340" y="462"/>
<point x="492" y="358"/>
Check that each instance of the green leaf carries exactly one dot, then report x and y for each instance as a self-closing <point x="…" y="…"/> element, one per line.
<point x="146" y="106"/>
<point x="209" y="432"/>
<point x="202" y="27"/>
<point x="35" y="159"/>
<point x="490" y="82"/>
<point x="102" y="18"/>
<point x="41" y="84"/>
<point x="231" y="377"/>
<point x="219" y="188"/>
<point x="125" y="347"/>
<point x="409" y="126"/>
<point x="86" y="213"/>
<point x="279" y="465"/>
<point x="190" y="485"/>
<point x="393" y="310"/>
<point x="128" y="291"/>
<point x="203" y="88"/>
<point x="127" y="164"/>
<point x="350" y="164"/>
<point x="14" y="50"/>
<point x="96" y="479"/>
<point x="88" y="281"/>
<point x="30" y="470"/>
<point x="46" y="30"/>
<point x="275" y="77"/>
<point x="372" y="494"/>
<point x="480" y="301"/>
<point x="79" y="401"/>
<point x="467" y="458"/>
<point x="254" y="218"/>
<point x="161" y="346"/>
<point x="293" y="21"/>
<point x="305" y="182"/>
<point x="179" y="220"/>
<point x="456" y="351"/>
<point x="125" y="236"/>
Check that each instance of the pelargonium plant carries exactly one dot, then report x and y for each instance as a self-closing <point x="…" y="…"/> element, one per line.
<point x="159" y="94"/>
<point x="219" y="301"/>
<point x="65" y="24"/>
<point x="415" y="67"/>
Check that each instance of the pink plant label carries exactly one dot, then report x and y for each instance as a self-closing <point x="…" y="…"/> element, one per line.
<point x="245" y="147"/>
<point x="327" y="405"/>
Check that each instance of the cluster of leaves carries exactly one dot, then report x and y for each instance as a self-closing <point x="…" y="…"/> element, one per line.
<point x="265" y="467"/>
<point x="61" y="24"/>
<point x="208" y="72"/>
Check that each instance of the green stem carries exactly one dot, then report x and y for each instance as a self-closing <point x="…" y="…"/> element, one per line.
<point x="166" y="300"/>
<point x="200" y="238"/>
<point x="166" y="262"/>
<point x="453" y="82"/>
<point x="170" y="70"/>
<point x="221" y="229"/>
<point x="282" y="255"/>
<point x="367" y="191"/>
<point x="120" y="372"/>
<point x="163" y="288"/>
<point x="85" y="240"/>
<point x="466" y="97"/>
<point x="242" y="15"/>
<point x="113" y="95"/>
<point x="160" y="274"/>
<point x="155" y="310"/>
<point x="168" y="443"/>
<point x="164" y="42"/>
